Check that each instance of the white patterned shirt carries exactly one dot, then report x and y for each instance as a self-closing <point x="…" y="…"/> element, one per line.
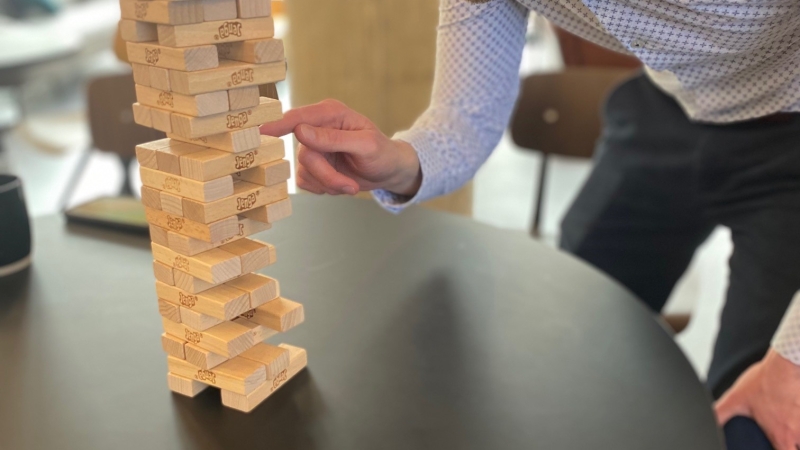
<point x="722" y="60"/>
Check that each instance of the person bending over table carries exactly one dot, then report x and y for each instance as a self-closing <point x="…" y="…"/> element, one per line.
<point x="709" y="134"/>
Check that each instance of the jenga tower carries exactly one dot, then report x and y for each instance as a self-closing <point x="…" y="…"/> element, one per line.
<point x="212" y="182"/>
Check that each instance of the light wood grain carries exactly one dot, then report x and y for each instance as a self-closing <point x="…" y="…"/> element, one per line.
<point x="229" y="75"/>
<point x="271" y="213"/>
<point x="197" y="320"/>
<point x="213" y="266"/>
<point x="142" y="115"/>
<point x="146" y="153"/>
<point x="162" y="120"/>
<point x="215" y="32"/>
<point x="169" y="310"/>
<point x="227" y="339"/>
<point x="254" y="8"/>
<point x="257" y="51"/>
<point x="222" y="302"/>
<point x="253" y="254"/>
<point x="190" y="283"/>
<point x="245" y="197"/>
<point x="188" y="59"/>
<point x="162" y="12"/>
<point x="268" y="110"/>
<point x="238" y="375"/>
<point x="202" y="358"/>
<point x="190" y="246"/>
<point x="194" y="105"/>
<point x="219" y="10"/>
<point x="267" y="174"/>
<point x="202" y="191"/>
<point x="246" y="97"/>
<point x="135" y="31"/>
<point x="275" y="359"/>
<point x="232" y="142"/>
<point x="173" y="346"/>
<point x="211" y="163"/>
<point x="163" y="273"/>
<point x="261" y="289"/>
<point x="141" y="74"/>
<point x="185" y="386"/>
<point x="260" y="333"/>
<point x="158" y="234"/>
<point x="171" y="204"/>
<point x="211" y="232"/>
<point x="280" y="314"/>
<point x="151" y="198"/>
<point x="159" y="78"/>
<point x="168" y="156"/>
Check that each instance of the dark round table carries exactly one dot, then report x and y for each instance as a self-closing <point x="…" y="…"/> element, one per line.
<point x="424" y="331"/>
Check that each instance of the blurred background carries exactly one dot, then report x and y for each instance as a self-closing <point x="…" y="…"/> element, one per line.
<point x="375" y="55"/>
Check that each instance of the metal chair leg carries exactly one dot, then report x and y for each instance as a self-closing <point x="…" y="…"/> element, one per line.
<point x="74" y="179"/>
<point x="539" y="201"/>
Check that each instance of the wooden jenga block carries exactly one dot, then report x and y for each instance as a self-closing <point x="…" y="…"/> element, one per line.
<point x="146" y="153"/>
<point x="246" y="196"/>
<point x="298" y="360"/>
<point x="173" y="346"/>
<point x="158" y="11"/>
<point x="232" y="142"/>
<point x="214" y="32"/>
<point x="142" y="115"/>
<point x="221" y="302"/>
<point x="193" y="127"/>
<point x="280" y="314"/>
<point x="202" y="191"/>
<point x="190" y="283"/>
<point x="260" y="332"/>
<point x="211" y="163"/>
<point x="190" y="246"/>
<point x="185" y="386"/>
<point x="254" y="8"/>
<point x="219" y="10"/>
<point x="159" y="78"/>
<point x="213" y="266"/>
<point x="159" y="235"/>
<point x="151" y="197"/>
<point x="266" y="174"/>
<point x="162" y="120"/>
<point x="275" y="359"/>
<point x="168" y="158"/>
<point x="258" y="51"/>
<point x="246" y="97"/>
<point x="238" y="375"/>
<point x="171" y="204"/>
<point x="212" y="232"/>
<point x="195" y="105"/>
<point x="227" y="339"/>
<point x="229" y="75"/>
<point x="169" y="310"/>
<point x="135" y="31"/>
<point x="261" y="288"/>
<point x="141" y="74"/>
<point x="254" y="254"/>
<point x="163" y="273"/>
<point x="203" y="358"/>
<point x="271" y="213"/>
<point x="197" y="320"/>
<point x="188" y="59"/>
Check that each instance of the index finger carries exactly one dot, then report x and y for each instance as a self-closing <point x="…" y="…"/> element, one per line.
<point x="323" y="114"/>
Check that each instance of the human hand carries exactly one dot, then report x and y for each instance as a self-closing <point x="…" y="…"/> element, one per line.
<point x="343" y="152"/>
<point x="769" y="393"/>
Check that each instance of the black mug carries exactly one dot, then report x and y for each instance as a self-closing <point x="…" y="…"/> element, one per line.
<point x="15" y="227"/>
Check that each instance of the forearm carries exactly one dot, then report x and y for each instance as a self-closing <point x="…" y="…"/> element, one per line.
<point x="787" y="339"/>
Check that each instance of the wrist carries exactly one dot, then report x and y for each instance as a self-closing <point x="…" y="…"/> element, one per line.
<point x="407" y="178"/>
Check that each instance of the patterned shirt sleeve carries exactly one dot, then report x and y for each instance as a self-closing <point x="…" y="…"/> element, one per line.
<point x="787" y="339"/>
<point x="475" y="87"/>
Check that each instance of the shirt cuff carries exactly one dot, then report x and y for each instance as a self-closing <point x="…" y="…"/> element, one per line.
<point x="787" y="339"/>
<point x="433" y="173"/>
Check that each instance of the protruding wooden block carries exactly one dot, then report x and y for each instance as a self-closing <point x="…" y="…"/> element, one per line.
<point x="229" y="75"/>
<point x="238" y="375"/>
<point x="159" y="235"/>
<point x="185" y="386"/>
<point x="241" y="98"/>
<point x="146" y="153"/>
<point x="142" y="115"/>
<point x="163" y="273"/>
<point x="219" y="10"/>
<point x="254" y="8"/>
<point x="195" y="105"/>
<point x="254" y="254"/>
<point x="232" y="142"/>
<point x="213" y="266"/>
<point x="188" y="59"/>
<point x="165" y="12"/>
<point x="135" y="31"/>
<point x="227" y="339"/>
<point x="168" y="156"/>
<point x="211" y="163"/>
<point x="275" y="359"/>
<point x="162" y="120"/>
<point x="268" y="110"/>
<point x="202" y="191"/>
<point x="267" y="174"/>
<point x="212" y="232"/>
<point x="221" y="302"/>
<point x="298" y="360"/>
<point x="190" y="283"/>
<point x="246" y="196"/>
<point x="173" y="346"/>
<point x="141" y="74"/>
<point x="171" y="204"/>
<point x="151" y="198"/>
<point x="169" y="310"/>
<point x="159" y="78"/>
<point x="202" y="358"/>
<point x="197" y="320"/>
<point x="271" y="213"/>
<point x="215" y="32"/>
<point x="260" y="332"/>
<point x="262" y="289"/>
<point x="280" y="314"/>
<point x="258" y="51"/>
<point x="190" y="246"/>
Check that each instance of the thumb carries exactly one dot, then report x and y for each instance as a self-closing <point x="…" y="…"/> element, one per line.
<point x="733" y="403"/>
<point x="330" y="140"/>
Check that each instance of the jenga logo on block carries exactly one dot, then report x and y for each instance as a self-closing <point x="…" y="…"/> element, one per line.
<point x="140" y="9"/>
<point x="237" y="120"/>
<point x="249" y="314"/>
<point x="181" y="263"/>
<point x="207" y="375"/>
<point x="241" y="76"/>
<point x="187" y="300"/>
<point x="175" y="223"/>
<point x="166" y="99"/>
<point x="243" y="203"/>
<point x="276" y="383"/>
<point x="229" y="29"/>
<point x="151" y="56"/>
<point x="193" y="336"/>
<point x="171" y="183"/>
<point x="243" y="162"/>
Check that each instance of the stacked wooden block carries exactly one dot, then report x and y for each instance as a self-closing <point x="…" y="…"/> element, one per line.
<point x="209" y="185"/>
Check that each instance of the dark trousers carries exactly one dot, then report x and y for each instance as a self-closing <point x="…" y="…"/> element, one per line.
<point x="662" y="183"/>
